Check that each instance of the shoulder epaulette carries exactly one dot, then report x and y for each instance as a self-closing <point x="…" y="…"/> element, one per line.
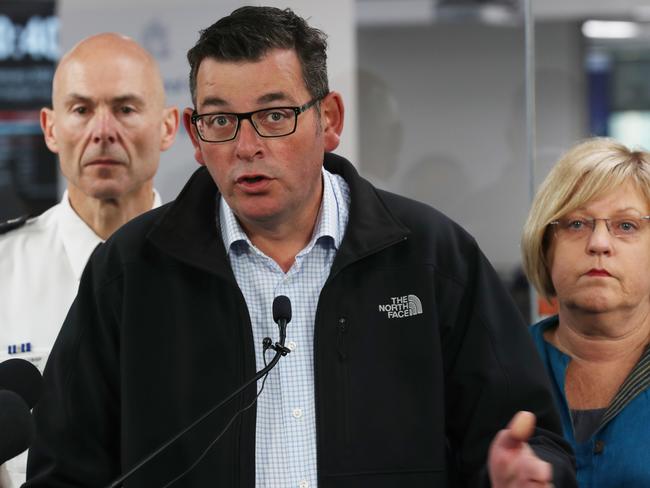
<point x="12" y="224"/>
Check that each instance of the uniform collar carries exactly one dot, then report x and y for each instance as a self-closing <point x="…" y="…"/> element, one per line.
<point x="79" y="240"/>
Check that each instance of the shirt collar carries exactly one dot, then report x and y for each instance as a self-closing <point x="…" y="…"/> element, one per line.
<point x="79" y="240"/>
<point x="328" y="215"/>
<point x="327" y="224"/>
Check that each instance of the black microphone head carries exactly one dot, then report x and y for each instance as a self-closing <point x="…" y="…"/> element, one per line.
<point x="16" y="425"/>
<point x="281" y="309"/>
<point x="23" y="378"/>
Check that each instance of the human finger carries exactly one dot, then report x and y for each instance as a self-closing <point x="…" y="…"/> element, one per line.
<point x="522" y="425"/>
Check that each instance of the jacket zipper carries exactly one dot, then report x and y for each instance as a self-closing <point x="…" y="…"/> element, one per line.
<point x="342" y="327"/>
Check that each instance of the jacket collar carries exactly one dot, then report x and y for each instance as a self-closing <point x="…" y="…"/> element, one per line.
<point x="188" y="230"/>
<point x="372" y="226"/>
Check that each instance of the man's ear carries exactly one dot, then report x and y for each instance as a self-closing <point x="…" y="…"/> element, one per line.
<point x="169" y="127"/>
<point x="47" y="126"/>
<point x="332" y="112"/>
<point x="194" y="137"/>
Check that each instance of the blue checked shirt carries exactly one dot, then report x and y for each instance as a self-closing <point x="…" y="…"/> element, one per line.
<point x="285" y="439"/>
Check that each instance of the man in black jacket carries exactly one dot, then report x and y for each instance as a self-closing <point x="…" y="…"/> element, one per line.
<point x="406" y="357"/>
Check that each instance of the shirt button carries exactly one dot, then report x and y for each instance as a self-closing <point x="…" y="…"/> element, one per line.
<point x="291" y="345"/>
<point x="599" y="447"/>
<point x="303" y="484"/>
<point x="297" y="413"/>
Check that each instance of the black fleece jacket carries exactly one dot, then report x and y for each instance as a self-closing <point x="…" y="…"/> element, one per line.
<point x="420" y="356"/>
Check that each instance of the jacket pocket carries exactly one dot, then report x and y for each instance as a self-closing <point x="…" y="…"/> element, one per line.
<point x="342" y="331"/>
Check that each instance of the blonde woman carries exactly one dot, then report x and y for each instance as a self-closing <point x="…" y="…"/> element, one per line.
<point x="587" y="243"/>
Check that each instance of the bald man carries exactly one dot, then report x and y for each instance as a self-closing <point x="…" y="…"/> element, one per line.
<point x="108" y="124"/>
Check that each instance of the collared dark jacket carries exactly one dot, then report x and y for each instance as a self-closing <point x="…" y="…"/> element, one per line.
<point x="420" y="356"/>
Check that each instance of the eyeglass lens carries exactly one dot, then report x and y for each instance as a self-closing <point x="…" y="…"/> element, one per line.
<point x="624" y="227"/>
<point x="273" y="122"/>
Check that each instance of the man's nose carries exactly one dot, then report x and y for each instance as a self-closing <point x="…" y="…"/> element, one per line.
<point x="247" y="141"/>
<point x="104" y="128"/>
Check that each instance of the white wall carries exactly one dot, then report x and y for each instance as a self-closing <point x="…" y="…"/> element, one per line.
<point x="459" y="92"/>
<point x="169" y="28"/>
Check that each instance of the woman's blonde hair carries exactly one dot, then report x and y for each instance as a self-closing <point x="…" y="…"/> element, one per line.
<point x="588" y="171"/>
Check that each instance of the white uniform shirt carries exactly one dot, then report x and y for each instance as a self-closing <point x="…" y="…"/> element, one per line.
<point x="40" y="268"/>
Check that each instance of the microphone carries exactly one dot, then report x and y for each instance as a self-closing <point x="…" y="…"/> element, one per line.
<point x="281" y="310"/>
<point x="281" y="316"/>
<point x="16" y="425"/>
<point x="23" y="378"/>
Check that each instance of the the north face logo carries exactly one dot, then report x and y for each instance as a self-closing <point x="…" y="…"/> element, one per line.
<point x="401" y="307"/>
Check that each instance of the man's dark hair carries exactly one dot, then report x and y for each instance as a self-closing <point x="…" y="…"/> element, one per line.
<point x="248" y="33"/>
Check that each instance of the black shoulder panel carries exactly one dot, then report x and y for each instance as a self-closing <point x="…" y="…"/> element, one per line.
<point x="12" y="224"/>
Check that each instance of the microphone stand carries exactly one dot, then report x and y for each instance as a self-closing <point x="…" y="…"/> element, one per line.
<point x="280" y="351"/>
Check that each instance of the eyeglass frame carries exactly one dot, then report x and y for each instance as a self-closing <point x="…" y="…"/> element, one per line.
<point x="593" y="221"/>
<point x="249" y="116"/>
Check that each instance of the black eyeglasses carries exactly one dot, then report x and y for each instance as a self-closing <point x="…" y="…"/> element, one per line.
<point x="268" y="122"/>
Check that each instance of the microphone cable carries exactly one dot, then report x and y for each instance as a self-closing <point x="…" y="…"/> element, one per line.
<point x="282" y="316"/>
<point x="223" y="431"/>
<point x="266" y="347"/>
